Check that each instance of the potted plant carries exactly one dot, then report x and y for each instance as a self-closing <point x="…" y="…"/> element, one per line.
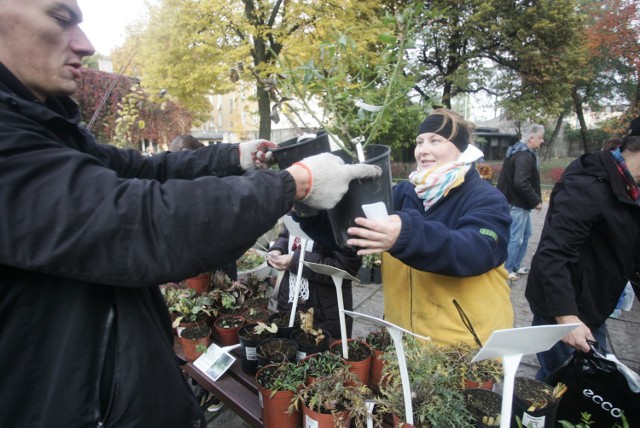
<point x="379" y="341"/>
<point x="436" y="387"/>
<point x="482" y="374"/>
<point x="226" y="329"/>
<point x="253" y="262"/>
<point x="258" y="290"/>
<point x="187" y="308"/>
<point x="536" y="401"/>
<point x="256" y="314"/>
<point x="281" y="319"/>
<point x="250" y="336"/>
<point x="359" y="357"/>
<point x="334" y="400"/>
<point x="358" y="93"/>
<point x="373" y="262"/>
<point x="199" y="283"/>
<point x="484" y="405"/>
<point x="321" y="364"/>
<point x="276" y="350"/>
<point x="277" y="386"/>
<point x="226" y="294"/>
<point x="309" y="340"/>
<point x="195" y="340"/>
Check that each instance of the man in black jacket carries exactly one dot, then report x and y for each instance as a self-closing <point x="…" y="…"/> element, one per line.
<point x="520" y="182"/>
<point x="589" y="248"/>
<point x="87" y="231"/>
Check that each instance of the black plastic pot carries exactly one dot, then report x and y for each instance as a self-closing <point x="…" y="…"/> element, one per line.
<point x="249" y="346"/>
<point x="284" y="330"/>
<point x="362" y="192"/>
<point x="305" y="349"/>
<point x="482" y="402"/>
<point x="544" y="417"/>
<point x="292" y="151"/>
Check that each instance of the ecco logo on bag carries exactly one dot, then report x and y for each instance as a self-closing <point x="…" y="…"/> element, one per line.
<point x="599" y="400"/>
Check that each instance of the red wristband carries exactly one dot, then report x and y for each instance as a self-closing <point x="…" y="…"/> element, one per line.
<point x="310" y="178"/>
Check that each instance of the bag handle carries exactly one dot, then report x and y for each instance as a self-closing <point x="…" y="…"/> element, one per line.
<point x="596" y="349"/>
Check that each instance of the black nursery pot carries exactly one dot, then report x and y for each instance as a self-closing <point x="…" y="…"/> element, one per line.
<point x="545" y="417"/>
<point x="482" y="402"/>
<point x="287" y="350"/>
<point x="305" y="349"/>
<point x="292" y="151"/>
<point x="248" y="348"/>
<point x="284" y="331"/>
<point x="362" y="192"/>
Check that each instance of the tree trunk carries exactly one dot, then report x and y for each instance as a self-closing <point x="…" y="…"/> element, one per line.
<point x="586" y="143"/>
<point x="556" y="131"/>
<point x="264" y="110"/>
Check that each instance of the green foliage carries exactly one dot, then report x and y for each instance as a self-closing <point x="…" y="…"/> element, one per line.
<point x="281" y="377"/>
<point x="185" y="305"/>
<point x="323" y="364"/>
<point x="350" y="73"/>
<point x="250" y="259"/>
<point x="371" y="260"/>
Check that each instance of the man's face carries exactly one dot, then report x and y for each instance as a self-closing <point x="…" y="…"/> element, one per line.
<point x="42" y="44"/>
<point x="536" y="140"/>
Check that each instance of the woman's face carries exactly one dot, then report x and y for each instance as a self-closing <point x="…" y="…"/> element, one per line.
<point x="433" y="150"/>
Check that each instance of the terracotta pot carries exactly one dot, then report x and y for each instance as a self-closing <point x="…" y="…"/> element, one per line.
<point x="256" y="314"/>
<point x="311" y="418"/>
<point x="361" y="368"/>
<point x="227" y="336"/>
<point x="275" y="407"/>
<point x="484" y="385"/>
<point x="398" y="424"/>
<point x="199" y="283"/>
<point x="190" y="346"/>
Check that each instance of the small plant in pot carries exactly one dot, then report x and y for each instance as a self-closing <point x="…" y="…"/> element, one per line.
<point x="310" y="340"/>
<point x="281" y="319"/>
<point x="321" y="364"/>
<point x="227" y="295"/>
<point x="334" y="400"/>
<point x="258" y="291"/>
<point x="535" y="400"/>
<point x="256" y="314"/>
<point x="250" y="337"/>
<point x="276" y="350"/>
<point x="187" y="308"/>
<point x="484" y="405"/>
<point x="359" y="360"/>
<point x="195" y="340"/>
<point x="277" y="386"/>
<point x="482" y="374"/>
<point x="226" y="329"/>
<point x="380" y="342"/>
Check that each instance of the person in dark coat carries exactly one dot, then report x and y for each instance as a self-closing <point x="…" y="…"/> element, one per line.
<point x="88" y="231"/>
<point x="317" y="290"/>
<point x="589" y="248"/>
<point x="519" y="180"/>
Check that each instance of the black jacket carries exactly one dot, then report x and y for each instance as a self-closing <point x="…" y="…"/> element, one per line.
<point x="519" y="178"/>
<point x="322" y="290"/>
<point x="87" y="231"/>
<point x="590" y="243"/>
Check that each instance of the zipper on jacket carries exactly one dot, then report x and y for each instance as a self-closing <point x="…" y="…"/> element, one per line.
<point x="106" y="383"/>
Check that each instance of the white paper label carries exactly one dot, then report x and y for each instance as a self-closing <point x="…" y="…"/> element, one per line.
<point x="309" y="422"/>
<point x="532" y="421"/>
<point x="252" y="355"/>
<point x="300" y="355"/>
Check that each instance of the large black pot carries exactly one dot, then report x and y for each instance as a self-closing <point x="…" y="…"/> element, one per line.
<point x="292" y="151"/>
<point x="362" y="192"/>
<point x="305" y="348"/>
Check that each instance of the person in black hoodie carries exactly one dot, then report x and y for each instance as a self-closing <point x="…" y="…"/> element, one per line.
<point x="589" y="247"/>
<point x="88" y="231"/>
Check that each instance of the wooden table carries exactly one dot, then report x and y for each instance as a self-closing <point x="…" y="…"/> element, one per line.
<point x="236" y="389"/>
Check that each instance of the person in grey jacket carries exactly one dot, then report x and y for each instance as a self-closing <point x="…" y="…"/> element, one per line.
<point x="519" y="180"/>
<point x="589" y="248"/>
<point x="88" y="231"/>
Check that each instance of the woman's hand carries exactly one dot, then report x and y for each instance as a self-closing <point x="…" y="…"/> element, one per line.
<point x="375" y="236"/>
<point x="279" y="261"/>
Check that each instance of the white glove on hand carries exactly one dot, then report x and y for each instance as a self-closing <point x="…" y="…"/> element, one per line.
<point x="330" y="179"/>
<point x="256" y="154"/>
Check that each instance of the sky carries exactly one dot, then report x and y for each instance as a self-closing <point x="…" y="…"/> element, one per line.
<point x="104" y="22"/>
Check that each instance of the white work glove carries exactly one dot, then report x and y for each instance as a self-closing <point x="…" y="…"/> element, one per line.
<point x="256" y="154"/>
<point x="330" y="179"/>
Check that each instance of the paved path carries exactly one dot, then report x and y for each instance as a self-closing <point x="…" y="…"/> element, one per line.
<point x="367" y="298"/>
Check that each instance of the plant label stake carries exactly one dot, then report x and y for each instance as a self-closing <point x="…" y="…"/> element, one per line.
<point x="370" y="405"/>
<point x="337" y="275"/>
<point x="396" y="334"/>
<point x="511" y="344"/>
<point x="296" y="231"/>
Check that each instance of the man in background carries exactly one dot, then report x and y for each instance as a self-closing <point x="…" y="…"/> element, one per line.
<point x="589" y="247"/>
<point x="519" y="180"/>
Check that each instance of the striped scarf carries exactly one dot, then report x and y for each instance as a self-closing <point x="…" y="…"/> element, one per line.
<point x="629" y="182"/>
<point x="434" y="183"/>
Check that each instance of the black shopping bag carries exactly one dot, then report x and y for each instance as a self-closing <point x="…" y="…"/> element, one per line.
<point x="600" y="385"/>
